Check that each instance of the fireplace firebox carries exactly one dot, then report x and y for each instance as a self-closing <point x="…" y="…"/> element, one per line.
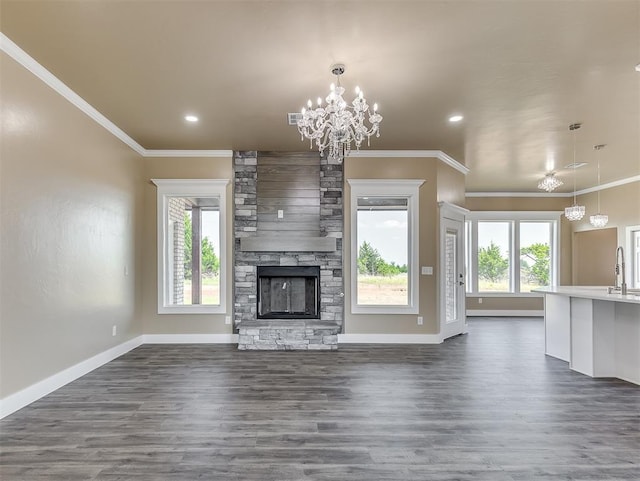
<point x="288" y="292"/>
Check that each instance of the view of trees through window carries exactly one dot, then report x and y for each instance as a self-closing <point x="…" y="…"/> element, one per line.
<point x="494" y="257"/>
<point x="209" y="262"/>
<point x="494" y="272"/>
<point x="535" y="255"/>
<point x="382" y="235"/>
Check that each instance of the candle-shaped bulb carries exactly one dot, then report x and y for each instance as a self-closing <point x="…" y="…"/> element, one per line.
<point x="361" y="94"/>
<point x="319" y="101"/>
<point x="357" y="90"/>
<point x="309" y="103"/>
<point x="332" y="87"/>
<point x="375" y="107"/>
<point x="303" y="111"/>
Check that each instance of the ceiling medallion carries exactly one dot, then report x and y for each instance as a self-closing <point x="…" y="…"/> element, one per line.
<point x="599" y="220"/>
<point x="575" y="212"/>
<point x="550" y="182"/>
<point x="336" y="124"/>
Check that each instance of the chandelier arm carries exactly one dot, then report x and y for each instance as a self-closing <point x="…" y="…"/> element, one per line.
<point x="338" y="125"/>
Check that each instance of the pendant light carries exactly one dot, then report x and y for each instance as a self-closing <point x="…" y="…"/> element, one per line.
<point x="550" y="182"/>
<point x="599" y="220"/>
<point x="575" y="212"/>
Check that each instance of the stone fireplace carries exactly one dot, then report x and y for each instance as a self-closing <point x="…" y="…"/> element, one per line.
<point x="288" y="222"/>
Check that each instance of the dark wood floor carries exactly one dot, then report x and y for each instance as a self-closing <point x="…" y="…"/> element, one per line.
<point x="485" y="406"/>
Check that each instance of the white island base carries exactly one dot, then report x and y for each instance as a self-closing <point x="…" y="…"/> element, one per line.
<point x="597" y="333"/>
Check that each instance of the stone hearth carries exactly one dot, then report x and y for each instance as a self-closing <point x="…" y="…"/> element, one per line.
<point x="255" y="247"/>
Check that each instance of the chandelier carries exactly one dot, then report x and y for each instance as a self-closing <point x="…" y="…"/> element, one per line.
<point x="599" y="220"/>
<point x="336" y="125"/>
<point x="575" y="212"/>
<point x="550" y="182"/>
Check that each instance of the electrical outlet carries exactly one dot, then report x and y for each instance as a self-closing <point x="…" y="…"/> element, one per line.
<point x="420" y="320"/>
<point x="426" y="271"/>
<point x="280" y="214"/>
<point x="114" y="330"/>
<point x="227" y="320"/>
<point x="479" y="300"/>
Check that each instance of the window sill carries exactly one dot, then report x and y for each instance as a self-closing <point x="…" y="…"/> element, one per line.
<point x="191" y="310"/>
<point x="397" y="310"/>
<point x="503" y="294"/>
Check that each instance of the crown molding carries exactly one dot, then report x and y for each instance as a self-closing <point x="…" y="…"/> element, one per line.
<point x="188" y="153"/>
<point x="28" y="62"/>
<point x="608" y="185"/>
<point x="517" y="194"/>
<point x="438" y="154"/>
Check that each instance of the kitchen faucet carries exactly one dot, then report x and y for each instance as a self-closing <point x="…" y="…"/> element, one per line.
<point x="620" y="272"/>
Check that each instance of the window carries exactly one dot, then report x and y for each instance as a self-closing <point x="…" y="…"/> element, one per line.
<point x="191" y="246"/>
<point x="384" y="246"/>
<point x="511" y="253"/>
<point x="535" y="255"/>
<point x="493" y="254"/>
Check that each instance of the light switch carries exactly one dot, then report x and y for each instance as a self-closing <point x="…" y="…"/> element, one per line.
<point x="280" y="214"/>
<point x="427" y="270"/>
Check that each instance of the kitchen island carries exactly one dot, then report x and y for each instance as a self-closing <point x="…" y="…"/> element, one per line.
<point x="597" y="333"/>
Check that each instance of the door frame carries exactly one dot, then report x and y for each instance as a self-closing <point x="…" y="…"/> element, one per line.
<point x="454" y="213"/>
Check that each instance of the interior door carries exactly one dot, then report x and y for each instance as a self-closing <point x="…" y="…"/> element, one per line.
<point x="453" y="319"/>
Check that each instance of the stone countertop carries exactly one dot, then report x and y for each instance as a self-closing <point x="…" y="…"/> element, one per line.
<point x="589" y="292"/>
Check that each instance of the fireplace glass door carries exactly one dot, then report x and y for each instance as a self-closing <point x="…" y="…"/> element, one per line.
<point x="288" y="292"/>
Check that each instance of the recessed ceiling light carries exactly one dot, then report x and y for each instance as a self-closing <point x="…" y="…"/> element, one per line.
<point x="638" y="68"/>
<point x="191" y="118"/>
<point x="456" y="118"/>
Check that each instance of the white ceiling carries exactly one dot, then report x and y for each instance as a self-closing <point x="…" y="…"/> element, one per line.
<point x="519" y="71"/>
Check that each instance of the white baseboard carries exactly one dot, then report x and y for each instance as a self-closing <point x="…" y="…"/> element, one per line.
<point x="389" y="339"/>
<point x="23" y="398"/>
<point x="190" y="338"/>
<point x="504" y="313"/>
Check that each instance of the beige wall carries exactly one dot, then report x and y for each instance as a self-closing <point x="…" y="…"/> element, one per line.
<point x="450" y="186"/>
<point x="517" y="203"/>
<point x="524" y="204"/>
<point x="70" y="215"/>
<point x="593" y="257"/>
<point x="621" y="204"/>
<point x="181" y="168"/>
<point x="398" y="168"/>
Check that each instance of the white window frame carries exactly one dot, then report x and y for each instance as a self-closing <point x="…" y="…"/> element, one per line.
<point x="188" y="188"/>
<point x="631" y="257"/>
<point x="408" y="188"/>
<point x="514" y="218"/>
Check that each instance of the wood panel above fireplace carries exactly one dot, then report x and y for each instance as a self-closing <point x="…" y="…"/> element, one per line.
<point x="288" y="200"/>
<point x="288" y="192"/>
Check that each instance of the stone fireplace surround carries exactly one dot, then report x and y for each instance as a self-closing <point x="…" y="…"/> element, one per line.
<point x="287" y="334"/>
